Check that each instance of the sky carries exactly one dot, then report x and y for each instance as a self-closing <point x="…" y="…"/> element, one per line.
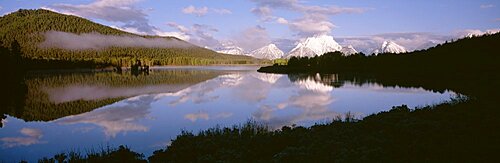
<point x="250" y="24"/>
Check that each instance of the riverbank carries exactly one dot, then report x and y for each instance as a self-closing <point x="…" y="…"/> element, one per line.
<point x="441" y="133"/>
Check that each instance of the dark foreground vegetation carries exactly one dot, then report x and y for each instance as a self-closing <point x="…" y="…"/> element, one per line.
<point x="118" y="155"/>
<point x="461" y="130"/>
<point x="464" y="129"/>
<point x="453" y="132"/>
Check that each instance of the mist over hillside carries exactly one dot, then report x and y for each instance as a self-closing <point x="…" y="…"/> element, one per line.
<point x="71" y="41"/>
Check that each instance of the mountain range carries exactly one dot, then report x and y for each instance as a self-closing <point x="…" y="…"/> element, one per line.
<point x="45" y="35"/>
<point x="32" y="28"/>
<point x="229" y="48"/>
<point x="390" y="47"/>
<point x="267" y="52"/>
<point x="316" y="45"/>
<point x="308" y="47"/>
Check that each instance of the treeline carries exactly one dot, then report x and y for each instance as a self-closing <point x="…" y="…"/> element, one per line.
<point x="120" y="154"/>
<point x="439" y="133"/>
<point x="27" y="28"/>
<point x="464" y="56"/>
<point x="29" y="98"/>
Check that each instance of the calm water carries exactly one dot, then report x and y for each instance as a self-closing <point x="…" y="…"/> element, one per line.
<point x="84" y="111"/>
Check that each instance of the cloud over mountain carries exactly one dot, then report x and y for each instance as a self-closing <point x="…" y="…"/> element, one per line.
<point x="71" y="41"/>
<point x="120" y="11"/>
<point x="411" y="41"/>
<point x="311" y="14"/>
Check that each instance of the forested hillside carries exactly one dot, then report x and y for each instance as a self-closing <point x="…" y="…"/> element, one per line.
<point x="28" y="28"/>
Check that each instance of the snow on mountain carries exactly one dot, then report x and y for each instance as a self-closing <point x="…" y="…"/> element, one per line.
<point x="390" y="47"/>
<point x="301" y="51"/>
<point x="317" y="45"/>
<point x="349" y="50"/>
<point x="228" y="47"/>
<point x="477" y="33"/>
<point x="230" y="50"/>
<point x="267" y="52"/>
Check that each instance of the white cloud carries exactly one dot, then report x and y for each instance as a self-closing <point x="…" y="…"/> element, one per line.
<point x="32" y="132"/>
<point x="264" y="12"/>
<point x="314" y="20"/>
<point x="204" y="35"/>
<point x="181" y="28"/>
<point x="182" y="34"/>
<point x="198" y="34"/>
<point x="485" y="6"/>
<point x="117" y="118"/>
<point x="179" y="35"/>
<point x="311" y="24"/>
<point x="71" y="41"/>
<point x="252" y="38"/>
<point x="312" y="101"/>
<point x="282" y="20"/>
<point x="121" y="11"/>
<point x="202" y="11"/>
<point x="30" y="136"/>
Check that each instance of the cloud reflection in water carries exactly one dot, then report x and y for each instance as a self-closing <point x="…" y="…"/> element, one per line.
<point x="116" y="118"/>
<point x="30" y="136"/>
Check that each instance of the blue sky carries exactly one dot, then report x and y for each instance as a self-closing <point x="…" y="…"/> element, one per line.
<point x="252" y="23"/>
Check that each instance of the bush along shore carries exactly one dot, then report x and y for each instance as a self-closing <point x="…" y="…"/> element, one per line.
<point x="464" y="129"/>
<point x="448" y="132"/>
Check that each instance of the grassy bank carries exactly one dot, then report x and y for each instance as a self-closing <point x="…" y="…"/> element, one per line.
<point x="457" y="131"/>
<point x="462" y="130"/>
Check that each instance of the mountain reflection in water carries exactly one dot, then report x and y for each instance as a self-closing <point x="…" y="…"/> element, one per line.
<point x="152" y="110"/>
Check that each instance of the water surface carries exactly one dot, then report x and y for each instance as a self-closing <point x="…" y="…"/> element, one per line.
<point x="84" y="111"/>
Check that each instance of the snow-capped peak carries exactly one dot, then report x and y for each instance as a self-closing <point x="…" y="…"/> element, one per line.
<point x="267" y="52"/>
<point x="228" y="47"/>
<point x="230" y="50"/>
<point x="317" y="45"/>
<point x="391" y="47"/>
<point x="349" y="50"/>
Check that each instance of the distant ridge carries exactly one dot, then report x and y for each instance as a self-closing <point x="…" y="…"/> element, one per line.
<point x="268" y="52"/>
<point x="316" y="45"/>
<point x="28" y="28"/>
